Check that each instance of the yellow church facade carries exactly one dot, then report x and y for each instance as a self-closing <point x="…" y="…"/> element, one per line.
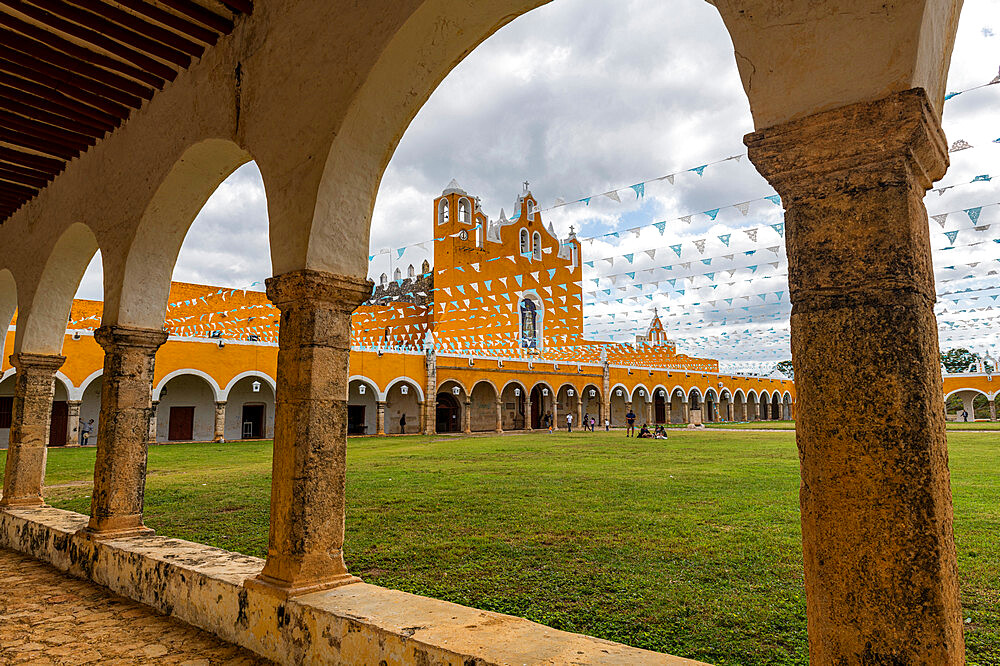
<point x="489" y="339"/>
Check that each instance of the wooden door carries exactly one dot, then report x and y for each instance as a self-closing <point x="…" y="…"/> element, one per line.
<point x="58" y="423"/>
<point x="181" y="427"/>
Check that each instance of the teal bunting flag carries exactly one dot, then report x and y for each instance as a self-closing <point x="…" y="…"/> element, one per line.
<point x="951" y="94"/>
<point x="699" y="170"/>
<point x="661" y="226"/>
<point x="589" y="263"/>
<point x="552" y="272"/>
<point x="707" y="262"/>
<point x="725" y="239"/>
<point x="631" y="275"/>
<point x="677" y="249"/>
<point x="371" y="257"/>
<point x="952" y="235"/>
<point x="629" y="257"/>
<point x="586" y="200"/>
<point x="779" y="228"/>
<point x="400" y="251"/>
<point x="973" y="213"/>
<point x="712" y="213"/>
<point x="640" y="190"/>
<point x="614" y="233"/>
<point x="984" y="178"/>
<point x="488" y="283"/>
<point x="753" y="269"/>
<point x="518" y="278"/>
<point x="775" y="199"/>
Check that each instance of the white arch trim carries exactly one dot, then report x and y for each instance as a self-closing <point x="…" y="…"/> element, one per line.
<point x="627" y="395"/>
<point x="739" y="392"/>
<point x="646" y="397"/>
<point x="666" y="394"/>
<point x="243" y="375"/>
<point x="216" y="391"/>
<point x="753" y="394"/>
<point x="974" y="390"/>
<point x="7" y="373"/>
<point x="78" y="392"/>
<point x="465" y="391"/>
<point x="787" y="397"/>
<point x="695" y="389"/>
<point x="715" y="395"/>
<point x="404" y="380"/>
<point x="67" y="384"/>
<point x="367" y="382"/>
<point x="674" y="390"/>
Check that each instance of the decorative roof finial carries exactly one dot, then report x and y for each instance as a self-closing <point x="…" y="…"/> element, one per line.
<point x="525" y="186"/>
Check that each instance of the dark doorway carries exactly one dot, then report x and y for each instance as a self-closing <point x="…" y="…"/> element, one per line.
<point x="538" y="410"/>
<point x="447" y="414"/>
<point x="659" y="409"/>
<point x="181" y="427"/>
<point x="356" y="420"/>
<point x="253" y="421"/>
<point x="710" y="411"/>
<point x="58" y="423"/>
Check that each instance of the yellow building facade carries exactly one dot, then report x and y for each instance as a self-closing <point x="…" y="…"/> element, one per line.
<point x="489" y="339"/>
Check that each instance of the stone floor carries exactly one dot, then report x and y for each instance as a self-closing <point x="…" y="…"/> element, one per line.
<point x="47" y="617"/>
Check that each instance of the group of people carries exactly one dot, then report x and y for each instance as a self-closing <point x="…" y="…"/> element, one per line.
<point x="589" y="422"/>
<point x="658" y="432"/>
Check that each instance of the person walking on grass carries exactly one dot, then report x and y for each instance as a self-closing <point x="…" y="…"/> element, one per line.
<point x="586" y="422"/>
<point x="591" y="424"/>
<point x="630" y="423"/>
<point x="607" y="425"/>
<point x="402" y="423"/>
<point x="569" y="422"/>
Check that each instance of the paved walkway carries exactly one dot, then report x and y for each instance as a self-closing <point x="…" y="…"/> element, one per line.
<point x="47" y="617"/>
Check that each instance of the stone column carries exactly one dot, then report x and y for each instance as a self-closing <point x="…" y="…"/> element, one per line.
<point x="34" y="388"/>
<point x="578" y="419"/>
<point x="422" y="417"/>
<point x="729" y="411"/>
<point x="745" y="415"/>
<point x="220" y="421"/>
<point x="880" y="567"/>
<point x="73" y="422"/>
<point x="467" y="416"/>
<point x="499" y="427"/>
<point x="687" y="411"/>
<point x="308" y="482"/>
<point x="152" y="421"/>
<point x="430" y="393"/>
<point x="380" y="417"/>
<point x="527" y="413"/>
<point x="993" y="410"/>
<point x="123" y="431"/>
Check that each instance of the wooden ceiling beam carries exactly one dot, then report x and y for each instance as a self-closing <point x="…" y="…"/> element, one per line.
<point x="29" y="160"/>
<point x="18" y="190"/>
<point x="23" y="140"/>
<point x="55" y="89"/>
<point x="28" y="64"/>
<point x="27" y="172"/>
<point x="27" y="104"/>
<point x="37" y="49"/>
<point x="21" y="179"/>
<point x="192" y="30"/>
<point x="45" y="131"/>
<point x="204" y="16"/>
<point x="103" y="17"/>
<point x="241" y="6"/>
<point x="83" y="55"/>
<point x="113" y="39"/>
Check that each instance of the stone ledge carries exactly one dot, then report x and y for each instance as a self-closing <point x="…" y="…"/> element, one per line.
<point x="357" y="624"/>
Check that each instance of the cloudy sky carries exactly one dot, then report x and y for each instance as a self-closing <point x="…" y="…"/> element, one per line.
<point x="584" y="96"/>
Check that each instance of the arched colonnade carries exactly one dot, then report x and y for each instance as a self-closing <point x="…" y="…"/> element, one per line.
<point x="846" y="107"/>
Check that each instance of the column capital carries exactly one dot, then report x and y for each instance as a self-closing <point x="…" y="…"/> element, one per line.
<point x="114" y="337"/>
<point x="307" y="285"/>
<point x="27" y="362"/>
<point x="862" y="146"/>
<point x="218" y="403"/>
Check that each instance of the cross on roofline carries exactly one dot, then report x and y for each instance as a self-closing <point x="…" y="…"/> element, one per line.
<point x="525" y="186"/>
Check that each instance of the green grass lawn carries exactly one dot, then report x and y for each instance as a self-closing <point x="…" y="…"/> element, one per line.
<point x="689" y="545"/>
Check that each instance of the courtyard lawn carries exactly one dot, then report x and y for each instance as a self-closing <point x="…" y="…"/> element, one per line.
<point x="689" y="545"/>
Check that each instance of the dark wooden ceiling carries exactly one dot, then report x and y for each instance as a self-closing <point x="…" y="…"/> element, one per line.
<point x="72" y="70"/>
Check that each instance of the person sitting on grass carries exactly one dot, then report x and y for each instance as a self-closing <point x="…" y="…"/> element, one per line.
<point x="644" y="432"/>
<point x="659" y="432"/>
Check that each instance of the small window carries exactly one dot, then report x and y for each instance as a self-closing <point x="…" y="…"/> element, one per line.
<point x="6" y="410"/>
<point x="531" y="208"/>
<point x="464" y="211"/>
<point x="536" y="246"/>
<point x="444" y="214"/>
<point x="410" y="272"/>
<point x="525" y="244"/>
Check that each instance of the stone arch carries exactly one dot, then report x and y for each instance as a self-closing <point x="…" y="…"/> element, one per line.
<point x="249" y="413"/>
<point x="139" y="294"/>
<point x="363" y="396"/>
<point x="567" y="402"/>
<point x="450" y="407"/>
<point x="483" y="402"/>
<point x="41" y="324"/>
<point x="266" y="378"/>
<point x="186" y="406"/>
<point x="403" y="405"/>
<point x="536" y="246"/>
<point x="544" y="401"/>
<point x="678" y="402"/>
<point x="593" y="405"/>
<point x="640" y="394"/>
<point x="775" y="406"/>
<point x="464" y="211"/>
<point x="695" y="398"/>
<point x="216" y="391"/>
<point x="8" y="303"/>
<point x="399" y="381"/>
<point x="514" y="404"/>
<point x="91" y="378"/>
<point x="709" y="410"/>
<point x="973" y="400"/>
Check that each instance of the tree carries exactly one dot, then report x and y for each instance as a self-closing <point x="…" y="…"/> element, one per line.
<point x="958" y="360"/>
<point x="786" y="368"/>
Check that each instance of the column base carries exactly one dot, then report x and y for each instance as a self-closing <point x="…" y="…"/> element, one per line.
<point x="219" y="440"/>
<point x="284" y="591"/>
<point x="107" y="535"/>
<point x="21" y="502"/>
